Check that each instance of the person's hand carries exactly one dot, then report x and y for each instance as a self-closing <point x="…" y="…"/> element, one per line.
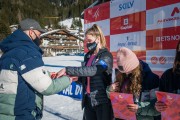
<point x="160" y="106"/>
<point x="132" y="107"/>
<point x="114" y="87"/>
<point x="61" y="73"/>
<point x="53" y="75"/>
<point x="73" y="78"/>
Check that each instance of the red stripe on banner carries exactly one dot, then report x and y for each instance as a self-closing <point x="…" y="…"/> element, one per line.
<point x="97" y="13"/>
<point x="108" y="42"/>
<point x="160" y="39"/>
<point x="128" y="23"/>
<point x="141" y="55"/>
<point x="85" y="48"/>
<point x="150" y="4"/>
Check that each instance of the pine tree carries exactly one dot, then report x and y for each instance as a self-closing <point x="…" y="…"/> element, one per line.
<point x="4" y="30"/>
<point x="13" y="11"/>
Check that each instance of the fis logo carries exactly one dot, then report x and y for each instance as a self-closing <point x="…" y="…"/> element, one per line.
<point x="96" y="14"/>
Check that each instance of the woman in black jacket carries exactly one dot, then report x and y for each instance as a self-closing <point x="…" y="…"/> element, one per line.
<point x="95" y="76"/>
<point x="170" y="80"/>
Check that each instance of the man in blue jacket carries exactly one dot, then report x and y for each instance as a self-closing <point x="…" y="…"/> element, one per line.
<point x="23" y="79"/>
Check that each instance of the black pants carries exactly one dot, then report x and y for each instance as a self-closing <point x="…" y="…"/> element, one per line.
<point x="99" y="112"/>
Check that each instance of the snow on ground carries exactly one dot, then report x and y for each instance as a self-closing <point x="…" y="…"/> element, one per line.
<point x="59" y="107"/>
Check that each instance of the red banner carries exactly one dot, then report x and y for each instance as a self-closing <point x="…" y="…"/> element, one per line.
<point x="141" y="55"/>
<point x="128" y="23"/>
<point x="150" y="4"/>
<point x="108" y="42"/>
<point x="161" y="39"/>
<point x="97" y="13"/>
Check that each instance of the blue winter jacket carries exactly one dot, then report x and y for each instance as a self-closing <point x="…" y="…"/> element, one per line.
<point x="23" y="79"/>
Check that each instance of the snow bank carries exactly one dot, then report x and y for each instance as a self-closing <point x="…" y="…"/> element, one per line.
<point x="58" y="107"/>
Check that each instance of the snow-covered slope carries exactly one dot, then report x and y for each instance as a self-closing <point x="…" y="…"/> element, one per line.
<point x="68" y="22"/>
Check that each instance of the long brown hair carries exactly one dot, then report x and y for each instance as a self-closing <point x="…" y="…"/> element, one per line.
<point x="177" y="57"/>
<point x="134" y="86"/>
<point x="96" y="31"/>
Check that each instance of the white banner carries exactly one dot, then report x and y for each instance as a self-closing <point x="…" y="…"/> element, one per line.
<point x="160" y="60"/>
<point x="163" y="17"/>
<point x="125" y="7"/>
<point x="134" y="41"/>
<point x="104" y="25"/>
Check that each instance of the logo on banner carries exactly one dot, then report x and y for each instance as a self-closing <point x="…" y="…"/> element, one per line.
<point x="126" y="21"/>
<point x="129" y="42"/>
<point x="154" y="60"/>
<point x="176" y="10"/>
<point x="126" y="5"/>
<point x="125" y="24"/>
<point x="96" y="14"/>
<point x="168" y="38"/>
<point x="162" y="60"/>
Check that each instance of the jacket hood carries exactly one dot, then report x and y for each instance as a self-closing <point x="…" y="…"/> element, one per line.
<point x="145" y="66"/>
<point x="16" y="39"/>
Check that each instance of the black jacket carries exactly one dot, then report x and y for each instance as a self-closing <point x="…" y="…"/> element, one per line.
<point x="100" y="76"/>
<point x="170" y="82"/>
<point x="147" y="97"/>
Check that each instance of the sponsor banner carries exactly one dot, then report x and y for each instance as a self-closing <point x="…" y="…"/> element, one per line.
<point x="160" y="60"/>
<point x="104" y="25"/>
<point x="166" y="38"/>
<point x="163" y="17"/>
<point x="150" y="4"/>
<point x="134" y="41"/>
<point x="74" y="90"/>
<point x="124" y="7"/>
<point x="128" y="23"/>
<point x="97" y="13"/>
